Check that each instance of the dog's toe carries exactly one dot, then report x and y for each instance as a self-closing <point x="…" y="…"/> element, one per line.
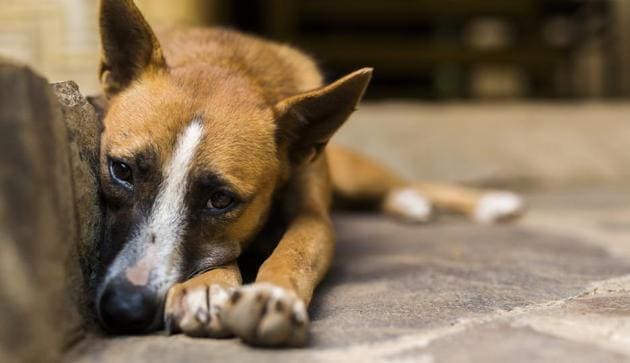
<point x="266" y="315"/>
<point x="408" y="204"/>
<point x="496" y="207"/>
<point x="194" y="310"/>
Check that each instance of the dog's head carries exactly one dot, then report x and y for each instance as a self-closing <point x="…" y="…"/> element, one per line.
<point x="189" y="164"/>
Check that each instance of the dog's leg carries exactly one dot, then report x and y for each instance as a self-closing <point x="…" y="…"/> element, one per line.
<point x="360" y="180"/>
<point x="193" y="307"/>
<point x="483" y="206"/>
<point x="272" y="311"/>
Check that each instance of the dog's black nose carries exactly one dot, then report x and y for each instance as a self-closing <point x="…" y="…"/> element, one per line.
<point x="128" y="309"/>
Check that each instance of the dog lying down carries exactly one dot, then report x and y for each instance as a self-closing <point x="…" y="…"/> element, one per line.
<point x="215" y="144"/>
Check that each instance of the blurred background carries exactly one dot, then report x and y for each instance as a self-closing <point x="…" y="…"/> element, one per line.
<point x="518" y="94"/>
<point x="421" y="49"/>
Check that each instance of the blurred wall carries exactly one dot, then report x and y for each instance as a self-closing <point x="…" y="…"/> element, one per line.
<point x="622" y="21"/>
<point x="59" y="38"/>
<point x="421" y="49"/>
<point x="458" y="49"/>
<point x="185" y="12"/>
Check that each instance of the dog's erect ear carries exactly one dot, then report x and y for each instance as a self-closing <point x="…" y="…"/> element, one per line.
<point x="308" y="120"/>
<point x="129" y="46"/>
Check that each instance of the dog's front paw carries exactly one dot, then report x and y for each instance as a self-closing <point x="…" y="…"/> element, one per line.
<point x="266" y="315"/>
<point x="193" y="308"/>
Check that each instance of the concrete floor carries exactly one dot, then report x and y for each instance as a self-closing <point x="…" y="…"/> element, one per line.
<point x="554" y="287"/>
<point x="525" y="145"/>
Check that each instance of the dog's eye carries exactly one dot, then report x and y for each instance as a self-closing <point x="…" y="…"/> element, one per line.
<point x="121" y="172"/>
<point x="219" y="200"/>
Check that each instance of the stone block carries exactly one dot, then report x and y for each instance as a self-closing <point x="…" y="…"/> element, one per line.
<point x="49" y="214"/>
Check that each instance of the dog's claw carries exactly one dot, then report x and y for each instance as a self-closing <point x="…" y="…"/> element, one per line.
<point x="168" y="325"/>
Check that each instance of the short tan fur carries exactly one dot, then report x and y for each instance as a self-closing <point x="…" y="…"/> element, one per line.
<point x="252" y="119"/>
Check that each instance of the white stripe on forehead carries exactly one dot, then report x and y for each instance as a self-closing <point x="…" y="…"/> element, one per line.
<point x="168" y="214"/>
<point x="152" y="251"/>
<point x="167" y="220"/>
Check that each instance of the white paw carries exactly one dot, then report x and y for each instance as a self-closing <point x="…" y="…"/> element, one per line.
<point x="409" y="204"/>
<point x="495" y="207"/>
<point x="266" y="315"/>
<point x="193" y="309"/>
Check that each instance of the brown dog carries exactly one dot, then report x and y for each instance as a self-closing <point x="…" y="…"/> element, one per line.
<point x="215" y="144"/>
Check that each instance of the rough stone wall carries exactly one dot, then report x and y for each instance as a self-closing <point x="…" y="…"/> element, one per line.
<point x="83" y="132"/>
<point x="58" y="38"/>
<point x="49" y="213"/>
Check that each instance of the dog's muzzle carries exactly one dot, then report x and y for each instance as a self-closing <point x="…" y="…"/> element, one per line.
<point x="124" y="308"/>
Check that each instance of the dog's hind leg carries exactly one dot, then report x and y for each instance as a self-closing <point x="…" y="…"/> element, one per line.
<point x="361" y="181"/>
